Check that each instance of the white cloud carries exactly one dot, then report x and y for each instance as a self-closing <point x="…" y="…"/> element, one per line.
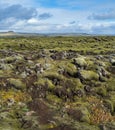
<point x="33" y="21"/>
<point x="28" y="3"/>
<point x="61" y="16"/>
<point x="62" y="20"/>
<point x="108" y="15"/>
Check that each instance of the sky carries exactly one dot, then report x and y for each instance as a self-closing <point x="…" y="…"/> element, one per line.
<point x="58" y="16"/>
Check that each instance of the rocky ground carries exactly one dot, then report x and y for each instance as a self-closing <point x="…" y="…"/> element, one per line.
<point x="59" y="83"/>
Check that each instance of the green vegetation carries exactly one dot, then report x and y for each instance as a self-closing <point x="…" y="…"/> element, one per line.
<point x="82" y="44"/>
<point x="57" y="83"/>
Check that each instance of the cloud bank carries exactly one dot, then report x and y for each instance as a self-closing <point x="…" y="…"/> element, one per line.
<point x="18" y="12"/>
<point x="103" y="16"/>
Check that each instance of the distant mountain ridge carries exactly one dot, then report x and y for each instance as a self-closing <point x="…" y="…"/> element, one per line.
<point x="12" y="33"/>
<point x="26" y="34"/>
<point x="9" y="33"/>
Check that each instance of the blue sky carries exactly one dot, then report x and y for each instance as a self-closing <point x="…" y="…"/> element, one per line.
<point x="58" y="16"/>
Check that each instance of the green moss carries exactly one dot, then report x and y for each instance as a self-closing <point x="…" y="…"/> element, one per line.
<point x="59" y="78"/>
<point x="75" y="84"/>
<point x="110" y="106"/>
<point x="53" y="75"/>
<point x="16" y="83"/>
<point x="40" y="81"/>
<point x="10" y="59"/>
<point x="111" y="84"/>
<point x="51" y="86"/>
<point x="101" y="91"/>
<point x="9" y="122"/>
<point x="86" y="115"/>
<point x="90" y="64"/>
<point x="70" y="69"/>
<point x="80" y="61"/>
<point x="79" y="111"/>
<point x="6" y="67"/>
<point x="80" y="44"/>
<point x="53" y="98"/>
<point x="5" y="73"/>
<point x="112" y="99"/>
<point x="45" y="82"/>
<point x="85" y="126"/>
<point x="89" y="75"/>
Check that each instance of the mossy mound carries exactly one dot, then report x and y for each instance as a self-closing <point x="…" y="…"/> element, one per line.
<point x="88" y="75"/>
<point x="80" y="61"/>
<point x="16" y="83"/>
